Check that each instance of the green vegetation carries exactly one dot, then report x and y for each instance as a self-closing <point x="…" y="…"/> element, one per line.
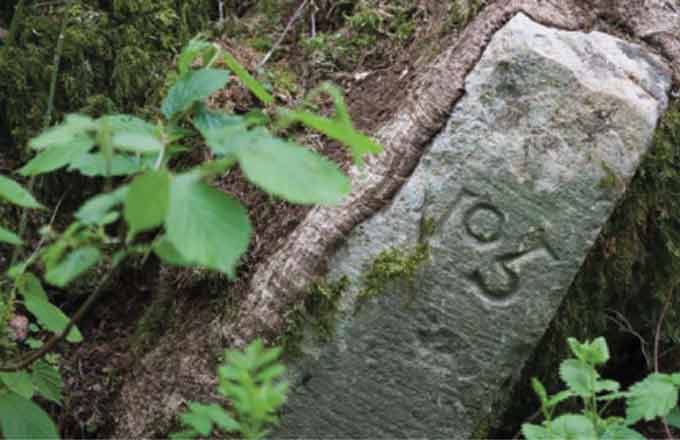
<point x="251" y="381"/>
<point x="155" y="209"/>
<point x="392" y="265"/>
<point x="656" y="396"/>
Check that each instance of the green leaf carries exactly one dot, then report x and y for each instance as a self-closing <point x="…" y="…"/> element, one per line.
<point x="620" y="432"/>
<point x="205" y="225"/>
<point x="673" y="417"/>
<point x="606" y="385"/>
<point x="220" y="130"/>
<point x="593" y="353"/>
<point x="146" y="203"/>
<point x="559" y="398"/>
<point x="167" y="252"/>
<point x="9" y="237"/>
<point x="202" y="417"/>
<point x="126" y="124"/>
<point x="194" y="49"/>
<point x="186" y="434"/>
<point x="653" y="397"/>
<point x="142" y="143"/>
<point x="290" y="171"/>
<point x="95" y="164"/>
<point x="573" y="426"/>
<point x="191" y="87"/>
<point x="31" y="288"/>
<point x="58" y="156"/>
<point x="47" y="381"/>
<point x="540" y="391"/>
<point x="75" y="264"/>
<point x="251" y="83"/>
<point x="16" y="194"/>
<point x="53" y="319"/>
<point x="579" y="376"/>
<point x="62" y="135"/>
<point x="98" y="207"/>
<point x="20" y="418"/>
<point x="18" y="382"/>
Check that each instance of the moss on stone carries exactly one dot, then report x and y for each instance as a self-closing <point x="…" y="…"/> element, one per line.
<point x="624" y="281"/>
<point x="392" y="265"/>
<point x="316" y="314"/>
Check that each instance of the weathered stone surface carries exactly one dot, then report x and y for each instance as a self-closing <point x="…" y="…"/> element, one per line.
<point x="508" y="198"/>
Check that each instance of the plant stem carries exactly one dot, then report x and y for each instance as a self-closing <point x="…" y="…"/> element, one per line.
<point x="27" y="360"/>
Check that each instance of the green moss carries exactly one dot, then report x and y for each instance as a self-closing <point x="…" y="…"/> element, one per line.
<point x="392" y="265"/>
<point x="317" y="313"/>
<point x="461" y="14"/>
<point x="113" y="50"/>
<point x="630" y="271"/>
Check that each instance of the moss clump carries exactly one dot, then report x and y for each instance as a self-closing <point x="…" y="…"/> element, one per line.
<point x="317" y="313"/>
<point x="116" y="50"/>
<point x="624" y="282"/>
<point x="462" y="12"/>
<point x="392" y="265"/>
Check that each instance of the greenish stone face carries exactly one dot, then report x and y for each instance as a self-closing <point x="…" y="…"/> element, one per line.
<point x="515" y="190"/>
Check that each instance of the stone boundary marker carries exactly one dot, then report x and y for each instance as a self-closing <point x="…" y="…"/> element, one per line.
<point x="507" y="200"/>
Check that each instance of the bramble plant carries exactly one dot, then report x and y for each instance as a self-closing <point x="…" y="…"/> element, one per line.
<point x="655" y="397"/>
<point x="194" y="223"/>
<point x="251" y="381"/>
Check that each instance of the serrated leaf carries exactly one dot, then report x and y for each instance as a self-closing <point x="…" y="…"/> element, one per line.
<point x="57" y="157"/>
<point x="47" y="381"/>
<point x="64" y="134"/>
<point x="653" y="397"/>
<point x="98" y="207"/>
<point x="186" y="434"/>
<point x="142" y="143"/>
<point x="205" y="225"/>
<point x="343" y="132"/>
<point x="673" y="417"/>
<point x="290" y="171"/>
<point x="73" y="265"/>
<point x="18" y="382"/>
<point x="53" y="319"/>
<point x="31" y="288"/>
<point x="126" y="124"/>
<point x="620" y="432"/>
<point x="16" y="194"/>
<point x="95" y="164"/>
<point x="202" y="417"/>
<point x="251" y="83"/>
<point x="598" y="351"/>
<point x="220" y="130"/>
<point x="7" y="236"/>
<point x="535" y="432"/>
<point x="191" y="87"/>
<point x="606" y="385"/>
<point x="573" y="426"/>
<point x="579" y="376"/>
<point x="20" y="418"/>
<point x="146" y="203"/>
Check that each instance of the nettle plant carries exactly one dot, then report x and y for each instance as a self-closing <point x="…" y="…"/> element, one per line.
<point x="655" y="397"/>
<point x="251" y="380"/>
<point x="178" y="216"/>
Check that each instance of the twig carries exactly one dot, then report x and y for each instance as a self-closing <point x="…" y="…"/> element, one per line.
<point x="657" y="339"/>
<point x="276" y="45"/>
<point x="627" y="327"/>
<point x="55" y="339"/>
